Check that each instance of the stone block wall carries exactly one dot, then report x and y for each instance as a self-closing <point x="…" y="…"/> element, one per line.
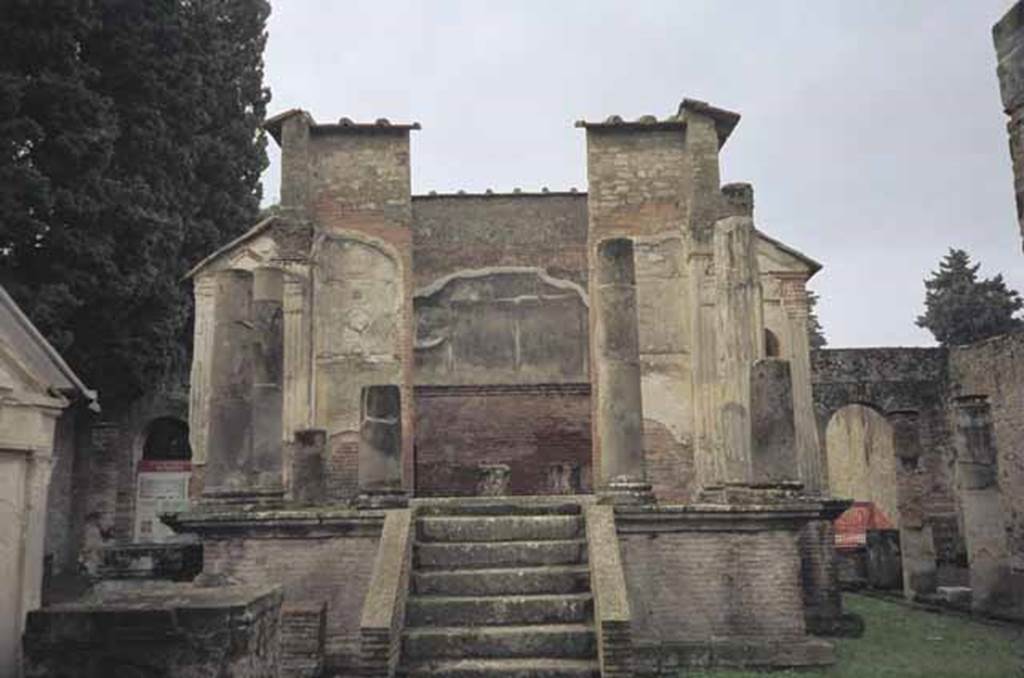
<point x="527" y="427"/>
<point x="180" y="631"/>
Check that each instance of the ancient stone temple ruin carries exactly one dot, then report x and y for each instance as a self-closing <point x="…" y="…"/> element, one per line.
<point x="516" y="434"/>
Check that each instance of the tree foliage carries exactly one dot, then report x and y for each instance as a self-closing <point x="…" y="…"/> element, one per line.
<point x="816" y="333"/>
<point x="129" y="147"/>
<point x="960" y="308"/>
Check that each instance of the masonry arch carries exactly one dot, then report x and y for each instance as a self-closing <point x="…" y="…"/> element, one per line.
<point x="860" y="450"/>
<point x="163" y="477"/>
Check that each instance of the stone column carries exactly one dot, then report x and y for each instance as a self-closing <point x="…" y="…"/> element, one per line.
<point x="810" y="458"/>
<point x="617" y="369"/>
<point x="1008" y="36"/>
<point x="268" y="372"/>
<point x="739" y="341"/>
<point x="703" y="202"/>
<point x="380" y="447"/>
<point x="917" y="543"/>
<point x="297" y="354"/>
<point x="202" y="358"/>
<point x="980" y="501"/>
<point x="229" y="439"/>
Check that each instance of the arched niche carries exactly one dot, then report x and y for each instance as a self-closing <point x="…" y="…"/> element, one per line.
<point x="772" y="347"/>
<point x="163" y="477"/>
<point x="861" y="457"/>
<point x="167" y="440"/>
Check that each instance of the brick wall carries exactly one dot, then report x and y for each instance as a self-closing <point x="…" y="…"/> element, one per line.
<point x="694" y="586"/>
<point x="458" y="232"/>
<point x="527" y="427"/>
<point x="311" y="571"/>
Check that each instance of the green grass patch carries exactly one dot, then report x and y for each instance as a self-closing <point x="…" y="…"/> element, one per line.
<point x="903" y="642"/>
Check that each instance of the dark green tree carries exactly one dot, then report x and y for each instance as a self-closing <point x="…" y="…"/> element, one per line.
<point x="56" y="142"/>
<point x="816" y="333"/>
<point x="174" y="173"/>
<point x="960" y="308"/>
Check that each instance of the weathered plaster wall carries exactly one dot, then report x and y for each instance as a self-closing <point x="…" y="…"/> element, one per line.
<point x="500" y="301"/>
<point x="506" y="326"/>
<point x="995" y="368"/>
<point x="862" y="459"/>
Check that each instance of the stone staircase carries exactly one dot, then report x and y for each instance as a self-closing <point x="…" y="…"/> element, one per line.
<point x="499" y="589"/>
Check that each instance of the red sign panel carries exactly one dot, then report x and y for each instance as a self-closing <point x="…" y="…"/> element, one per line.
<point x="159" y="465"/>
<point x="852" y="527"/>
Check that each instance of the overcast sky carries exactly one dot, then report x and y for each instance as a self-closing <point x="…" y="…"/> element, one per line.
<point x="872" y="130"/>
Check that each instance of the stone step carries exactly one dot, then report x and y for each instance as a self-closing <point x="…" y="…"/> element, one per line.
<point x="498" y="610"/>
<point x="503" y="581"/>
<point x="499" y="528"/>
<point x="503" y="668"/>
<point x="575" y="641"/>
<point x="490" y="506"/>
<point x="463" y="555"/>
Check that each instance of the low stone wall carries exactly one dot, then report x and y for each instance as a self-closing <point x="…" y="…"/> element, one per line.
<point x="316" y="555"/>
<point x="716" y="586"/>
<point x="155" y="629"/>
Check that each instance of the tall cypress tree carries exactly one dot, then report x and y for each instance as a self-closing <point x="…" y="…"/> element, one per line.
<point x="56" y="142"/>
<point x="960" y="308"/>
<point x="179" y="158"/>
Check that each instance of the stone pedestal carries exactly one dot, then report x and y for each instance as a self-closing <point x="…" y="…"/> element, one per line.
<point x="307" y="480"/>
<point x="619" y="414"/>
<point x="917" y="548"/>
<point x="380" y="448"/>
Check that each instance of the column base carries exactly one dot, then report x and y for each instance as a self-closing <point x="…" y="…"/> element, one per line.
<point x="626" y="492"/>
<point x="382" y="499"/>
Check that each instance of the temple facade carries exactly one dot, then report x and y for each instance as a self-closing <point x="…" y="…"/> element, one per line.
<point x="522" y="434"/>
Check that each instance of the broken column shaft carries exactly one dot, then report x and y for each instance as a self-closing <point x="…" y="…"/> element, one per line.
<point x="229" y="439"/>
<point x="380" y="446"/>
